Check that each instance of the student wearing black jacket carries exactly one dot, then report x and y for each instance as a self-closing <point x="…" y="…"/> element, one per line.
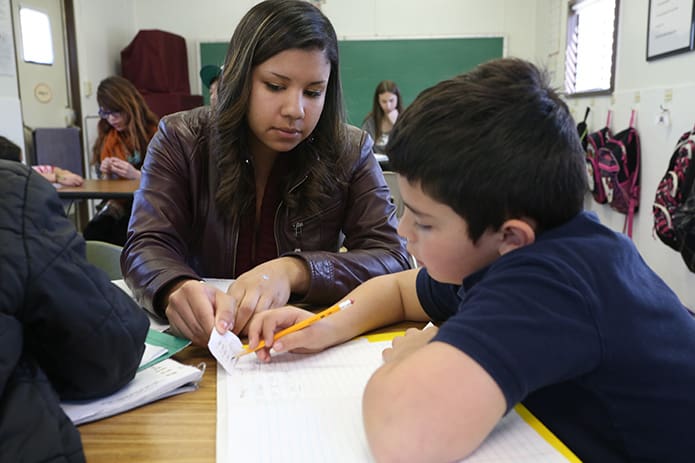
<point x="66" y="332"/>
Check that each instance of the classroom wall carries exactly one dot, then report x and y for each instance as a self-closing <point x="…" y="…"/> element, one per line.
<point x="215" y="20"/>
<point x="10" y="109"/>
<point x="642" y="86"/>
<point x="103" y="28"/>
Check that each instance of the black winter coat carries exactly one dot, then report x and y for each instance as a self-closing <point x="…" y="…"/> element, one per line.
<point x="66" y="332"/>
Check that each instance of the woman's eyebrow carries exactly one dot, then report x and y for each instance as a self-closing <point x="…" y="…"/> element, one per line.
<point x="286" y="78"/>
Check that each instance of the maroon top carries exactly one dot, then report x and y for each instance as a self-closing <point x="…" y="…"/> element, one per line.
<point x="257" y="245"/>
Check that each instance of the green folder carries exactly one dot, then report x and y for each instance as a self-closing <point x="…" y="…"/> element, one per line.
<point x="171" y="343"/>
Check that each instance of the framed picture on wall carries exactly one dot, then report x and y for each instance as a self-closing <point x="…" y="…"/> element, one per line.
<point x="670" y="27"/>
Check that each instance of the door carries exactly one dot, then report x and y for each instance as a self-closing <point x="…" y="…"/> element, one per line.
<point x="40" y="41"/>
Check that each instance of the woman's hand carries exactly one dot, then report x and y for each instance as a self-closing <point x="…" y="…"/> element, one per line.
<point x="264" y="287"/>
<point x="191" y="309"/>
<point x="124" y="169"/>
<point x="120" y="168"/>
<point x="413" y="340"/>
<point x="105" y="166"/>
<point x="392" y="116"/>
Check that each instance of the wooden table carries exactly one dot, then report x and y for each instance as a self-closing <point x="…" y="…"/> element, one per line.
<point x="100" y="189"/>
<point x="176" y="429"/>
<point x="96" y="189"/>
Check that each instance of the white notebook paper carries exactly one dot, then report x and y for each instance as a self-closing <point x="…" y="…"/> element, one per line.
<point x="307" y="408"/>
<point x="164" y="379"/>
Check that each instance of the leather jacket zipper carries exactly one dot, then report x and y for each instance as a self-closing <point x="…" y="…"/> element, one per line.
<point x="297" y="226"/>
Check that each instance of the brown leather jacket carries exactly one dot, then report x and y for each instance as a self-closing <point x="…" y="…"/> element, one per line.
<point x="175" y="230"/>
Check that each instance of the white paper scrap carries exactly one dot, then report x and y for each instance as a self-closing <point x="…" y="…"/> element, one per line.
<point x="225" y="348"/>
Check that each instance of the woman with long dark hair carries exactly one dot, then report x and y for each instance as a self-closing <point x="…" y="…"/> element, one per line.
<point x="386" y="107"/>
<point x="265" y="187"/>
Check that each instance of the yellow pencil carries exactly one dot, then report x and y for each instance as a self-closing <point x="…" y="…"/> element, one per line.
<point x="301" y="325"/>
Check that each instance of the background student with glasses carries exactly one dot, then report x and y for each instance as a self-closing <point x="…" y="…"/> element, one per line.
<point x="127" y="124"/>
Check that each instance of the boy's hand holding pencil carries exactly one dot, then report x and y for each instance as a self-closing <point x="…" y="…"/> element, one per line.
<point x="262" y="330"/>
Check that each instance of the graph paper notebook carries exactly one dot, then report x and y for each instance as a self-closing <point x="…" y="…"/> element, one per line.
<point x="307" y="408"/>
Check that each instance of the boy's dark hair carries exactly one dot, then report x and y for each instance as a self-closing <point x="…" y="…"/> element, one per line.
<point x="493" y="144"/>
<point x="9" y="150"/>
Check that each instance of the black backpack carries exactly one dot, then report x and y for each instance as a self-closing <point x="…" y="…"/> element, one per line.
<point x="673" y="191"/>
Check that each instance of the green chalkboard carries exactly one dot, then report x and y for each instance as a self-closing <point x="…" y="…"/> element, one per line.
<point x="414" y="64"/>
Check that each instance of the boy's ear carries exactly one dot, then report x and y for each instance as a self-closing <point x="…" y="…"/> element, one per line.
<point x="516" y="233"/>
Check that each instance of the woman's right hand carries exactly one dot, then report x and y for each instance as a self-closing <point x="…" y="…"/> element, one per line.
<point x="119" y="168"/>
<point x="266" y="286"/>
<point x="392" y="116"/>
<point x="124" y="169"/>
<point x="191" y="308"/>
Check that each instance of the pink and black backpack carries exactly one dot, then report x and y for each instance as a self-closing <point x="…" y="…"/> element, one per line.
<point x="619" y="168"/>
<point x="673" y="191"/>
<point x="594" y="142"/>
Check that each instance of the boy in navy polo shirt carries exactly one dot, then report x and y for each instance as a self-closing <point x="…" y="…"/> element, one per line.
<point x="535" y="300"/>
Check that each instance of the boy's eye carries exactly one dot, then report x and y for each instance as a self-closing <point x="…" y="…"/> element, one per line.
<point x="422" y="226"/>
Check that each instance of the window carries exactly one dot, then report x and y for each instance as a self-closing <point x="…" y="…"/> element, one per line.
<point x="591" y="42"/>
<point x="37" y="44"/>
